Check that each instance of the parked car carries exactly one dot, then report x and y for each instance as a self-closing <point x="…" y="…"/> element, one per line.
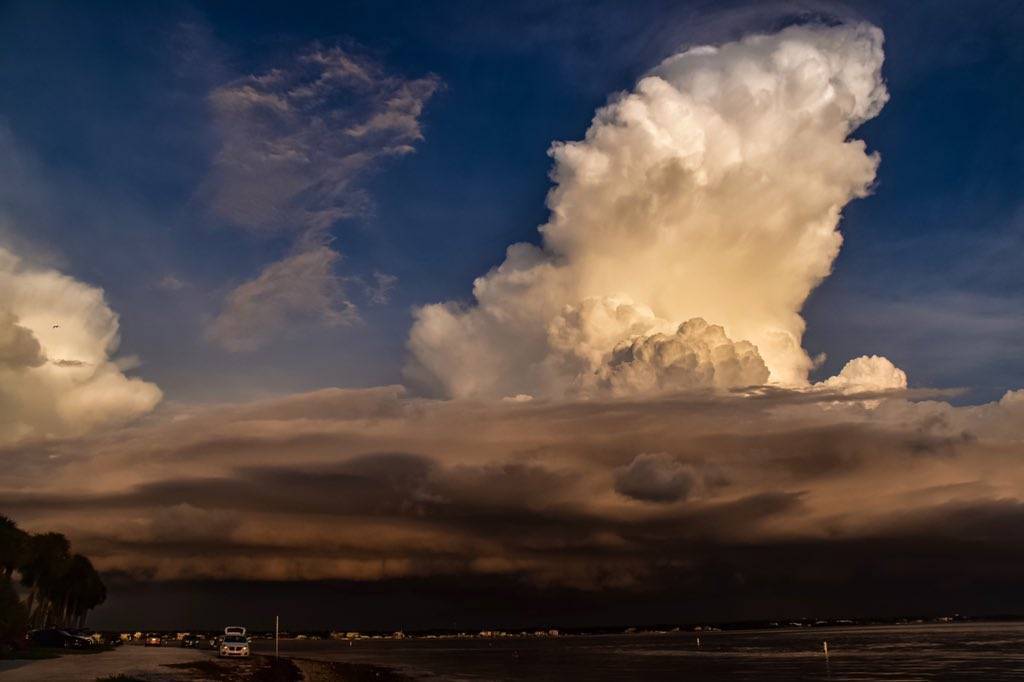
<point x="107" y="639"/>
<point x="235" y="642"/>
<point x="192" y="641"/>
<point x="153" y="640"/>
<point x="59" y="638"/>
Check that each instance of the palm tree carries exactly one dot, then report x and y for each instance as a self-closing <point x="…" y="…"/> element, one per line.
<point x="47" y="560"/>
<point x="63" y="587"/>
<point x="79" y="590"/>
<point x="13" y="617"/>
<point x="13" y="546"/>
<point x="92" y="593"/>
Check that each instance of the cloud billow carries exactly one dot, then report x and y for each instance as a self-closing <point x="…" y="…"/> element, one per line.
<point x="58" y="374"/>
<point x="655" y="477"/>
<point x="711" y="193"/>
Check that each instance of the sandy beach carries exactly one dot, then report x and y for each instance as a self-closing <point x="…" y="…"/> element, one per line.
<point x="125" y="660"/>
<point x="157" y="664"/>
<point x="173" y="664"/>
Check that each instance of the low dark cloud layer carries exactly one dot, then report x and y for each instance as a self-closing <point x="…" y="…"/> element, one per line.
<point x="683" y="494"/>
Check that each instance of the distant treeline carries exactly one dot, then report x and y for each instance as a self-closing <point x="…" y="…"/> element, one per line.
<point x="62" y="587"/>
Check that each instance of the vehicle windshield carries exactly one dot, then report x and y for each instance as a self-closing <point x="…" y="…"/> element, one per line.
<point x="234" y="639"/>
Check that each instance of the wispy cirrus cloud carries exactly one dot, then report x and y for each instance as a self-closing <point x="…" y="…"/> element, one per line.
<point x="299" y="290"/>
<point x="296" y="143"/>
<point x="296" y="140"/>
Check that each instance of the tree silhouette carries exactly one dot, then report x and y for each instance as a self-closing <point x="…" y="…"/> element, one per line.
<point x="48" y="558"/>
<point x="13" y="546"/>
<point x="62" y="587"/>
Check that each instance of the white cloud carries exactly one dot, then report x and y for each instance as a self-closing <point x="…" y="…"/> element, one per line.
<point x="713" y="190"/>
<point x="58" y="376"/>
<point x="867" y="373"/>
<point x="1013" y="400"/>
<point x="648" y="354"/>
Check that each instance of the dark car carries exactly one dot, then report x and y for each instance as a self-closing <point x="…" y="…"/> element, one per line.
<point x="59" y="638"/>
<point x="192" y="641"/>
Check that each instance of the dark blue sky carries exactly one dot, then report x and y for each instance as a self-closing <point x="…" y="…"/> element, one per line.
<point x="106" y="135"/>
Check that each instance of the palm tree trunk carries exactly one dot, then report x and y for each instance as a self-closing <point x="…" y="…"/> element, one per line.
<point x="28" y="602"/>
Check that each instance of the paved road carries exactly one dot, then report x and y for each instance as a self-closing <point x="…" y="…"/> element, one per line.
<point x="124" y="660"/>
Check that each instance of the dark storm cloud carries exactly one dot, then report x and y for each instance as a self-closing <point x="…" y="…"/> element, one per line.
<point x="375" y="485"/>
<point x="655" y="477"/>
<point x="19" y="347"/>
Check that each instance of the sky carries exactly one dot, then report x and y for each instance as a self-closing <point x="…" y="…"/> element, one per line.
<point x="613" y="310"/>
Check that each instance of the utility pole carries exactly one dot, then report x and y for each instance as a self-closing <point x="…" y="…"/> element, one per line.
<point x="277" y="630"/>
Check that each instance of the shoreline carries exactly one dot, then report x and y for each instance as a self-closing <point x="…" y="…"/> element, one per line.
<point x="172" y="664"/>
<point x="979" y="653"/>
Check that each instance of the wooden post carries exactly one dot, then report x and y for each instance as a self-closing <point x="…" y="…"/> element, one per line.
<point x="277" y="630"/>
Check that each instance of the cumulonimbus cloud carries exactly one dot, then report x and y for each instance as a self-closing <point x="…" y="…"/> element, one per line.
<point x="709" y="196"/>
<point x="57" y="374"/>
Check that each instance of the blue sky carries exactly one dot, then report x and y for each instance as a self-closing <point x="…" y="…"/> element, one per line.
<point x="108" y="136"/>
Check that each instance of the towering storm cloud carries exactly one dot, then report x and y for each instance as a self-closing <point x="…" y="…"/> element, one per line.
<point x="687" y="230"/>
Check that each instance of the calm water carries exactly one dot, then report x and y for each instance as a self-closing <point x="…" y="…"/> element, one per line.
<point x="899" y="653"/>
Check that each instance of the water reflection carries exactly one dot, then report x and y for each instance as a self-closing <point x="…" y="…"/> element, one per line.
<point x="976" y="651"/>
